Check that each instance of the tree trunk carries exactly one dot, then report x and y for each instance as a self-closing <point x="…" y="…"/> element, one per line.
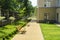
<point x="0" y="11"/>
<point x="7" y="11"/>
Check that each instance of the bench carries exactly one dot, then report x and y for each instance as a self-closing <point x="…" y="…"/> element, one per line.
<point x="20" y="29"/>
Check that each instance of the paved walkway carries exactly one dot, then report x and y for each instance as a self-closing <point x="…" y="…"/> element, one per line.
<point x="33" y="32"/>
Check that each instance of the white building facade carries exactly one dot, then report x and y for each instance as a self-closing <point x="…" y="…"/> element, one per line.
<point x="49" y="7"/>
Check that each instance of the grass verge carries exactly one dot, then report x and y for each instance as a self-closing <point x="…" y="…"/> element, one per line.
<point x="50" y="31"/>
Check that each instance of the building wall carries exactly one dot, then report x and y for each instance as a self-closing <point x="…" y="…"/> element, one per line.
<point x="51" y="7"/>
<point x="40" y="3"/>
<point x="58" y="11"/>
<point x="58" y="3"/>
<point x="50" y="11"/>
<point x="49" y="3"/>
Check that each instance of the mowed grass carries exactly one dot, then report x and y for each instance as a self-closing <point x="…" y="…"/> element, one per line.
<point x="50" y="31"/>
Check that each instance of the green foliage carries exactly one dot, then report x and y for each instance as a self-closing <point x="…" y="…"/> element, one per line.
<point x="7" y="31"/>
<point x="21" y="12"/>
<point x="12" y="18"/>
<point x="1" y="18"/>
<point x="23" y="7"/>
<point x="21" y="23"/>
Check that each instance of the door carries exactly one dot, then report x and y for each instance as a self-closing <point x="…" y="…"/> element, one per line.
<point x="57" y="17"/>
<point x="46" y="16"/>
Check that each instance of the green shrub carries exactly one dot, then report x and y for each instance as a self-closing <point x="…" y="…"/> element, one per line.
<point x="7" y="31"/>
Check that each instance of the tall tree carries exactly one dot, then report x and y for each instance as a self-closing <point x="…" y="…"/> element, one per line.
<point x="24" y="7"/>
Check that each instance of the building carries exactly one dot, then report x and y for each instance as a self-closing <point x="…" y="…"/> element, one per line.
<point x="48" y="10"/>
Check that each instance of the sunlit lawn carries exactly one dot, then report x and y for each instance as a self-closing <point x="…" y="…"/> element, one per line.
<point x="50" y="31"/>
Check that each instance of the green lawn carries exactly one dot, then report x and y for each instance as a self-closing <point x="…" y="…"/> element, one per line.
<point x="50" y="31"/>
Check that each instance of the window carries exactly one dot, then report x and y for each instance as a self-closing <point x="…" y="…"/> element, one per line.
<point x="44" y="5"/>
<point x="57" y="16"/>
<point x="48" y="0"/>
<point x="47" y="4"/>
<point x="58" y="3"/>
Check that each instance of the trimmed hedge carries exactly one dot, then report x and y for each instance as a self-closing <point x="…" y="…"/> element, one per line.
<point x="7" y="31"/>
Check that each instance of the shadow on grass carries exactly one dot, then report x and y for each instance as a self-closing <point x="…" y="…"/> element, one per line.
<point x="2" y="32"/>
<point x="48" y="23"/>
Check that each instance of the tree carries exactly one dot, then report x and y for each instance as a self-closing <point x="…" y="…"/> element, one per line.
<point x="23" y="7"/>
<point x="30" y="8"/>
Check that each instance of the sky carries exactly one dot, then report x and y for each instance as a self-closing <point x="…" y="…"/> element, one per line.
<point x="34" y="2"/>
